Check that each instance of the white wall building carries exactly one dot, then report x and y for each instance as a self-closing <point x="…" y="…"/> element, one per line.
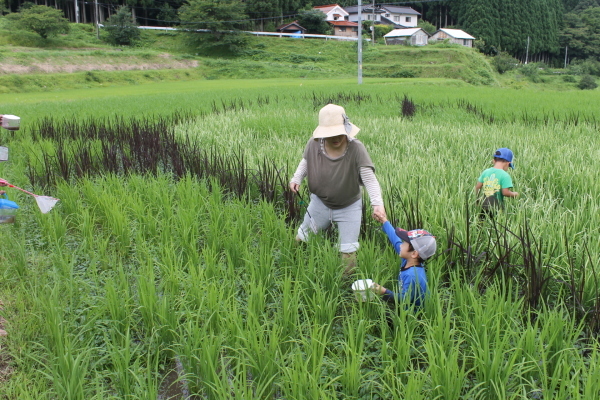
<point x="399" y="17"/>
<point x="333" y="12"/>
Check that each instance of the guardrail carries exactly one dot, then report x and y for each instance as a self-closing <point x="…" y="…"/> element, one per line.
<point x="276" y="34"/>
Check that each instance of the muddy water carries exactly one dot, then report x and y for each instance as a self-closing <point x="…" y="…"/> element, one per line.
<point x="172" y="388"/>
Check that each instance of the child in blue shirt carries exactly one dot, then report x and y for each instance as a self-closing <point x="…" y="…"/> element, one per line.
<point x="414" y="247"/>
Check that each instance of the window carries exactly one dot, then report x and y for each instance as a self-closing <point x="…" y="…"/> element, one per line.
<point x="369" y="16"/>
<point x="336" y="17"/>
<point x="355" y="29"/>
<point x="342" y="29"/>
<point x="407" y="19"/>
<point x="396" y="18"/>
<point x="387" y="15"/>
<point x="465" y="42"/>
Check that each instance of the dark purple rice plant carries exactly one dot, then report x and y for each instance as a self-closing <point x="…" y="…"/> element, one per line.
<point x="321" y="100"/>
<point x="475" y="110"/>
<point x="585" y="306"/>
<point x="537" y="275"/>
<point x="408" y="107"/>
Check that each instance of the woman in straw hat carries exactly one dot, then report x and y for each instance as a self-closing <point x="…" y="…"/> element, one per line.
<point x="337" y="165"/>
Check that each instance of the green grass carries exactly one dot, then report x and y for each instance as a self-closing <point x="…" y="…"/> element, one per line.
<point x="265" y="57"/>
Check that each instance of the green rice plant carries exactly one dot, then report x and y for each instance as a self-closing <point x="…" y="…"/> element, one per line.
<point x="148" y="297"/>
<point x="16" y="251"/>
<point x="352" y="378"/>
<point x="125" y="364"/>
<point x="445" y="365"/>
<point x="299" y="383"/>
<point x="188" y="267"/>
<point x="203" y="358"/>
<point x="68" y="360"/>
<point x="54" y="227"/>
<point x="311" y="360"/>
<point x="258" y="347"/>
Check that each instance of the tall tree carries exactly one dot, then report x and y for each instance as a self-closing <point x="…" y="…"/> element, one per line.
<point x="581" y="34"/>
<point x="505" y="25"/>
<point x="215" y="24"/>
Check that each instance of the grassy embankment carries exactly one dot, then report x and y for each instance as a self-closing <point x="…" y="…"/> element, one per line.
<point x="80" y="60"/>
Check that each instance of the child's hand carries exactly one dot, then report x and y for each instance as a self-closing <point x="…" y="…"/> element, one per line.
<point x="379" y="214"/>
<point x="378" y="289"/>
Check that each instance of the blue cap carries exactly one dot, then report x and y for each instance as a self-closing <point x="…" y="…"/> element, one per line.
<point x="505" y="154"/>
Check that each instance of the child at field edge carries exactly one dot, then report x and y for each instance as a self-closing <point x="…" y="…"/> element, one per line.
<point x="496" y="183"/>
<point x="414" y="247"/>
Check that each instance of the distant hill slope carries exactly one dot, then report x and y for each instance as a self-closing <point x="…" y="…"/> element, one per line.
<point x="79" y="60"/>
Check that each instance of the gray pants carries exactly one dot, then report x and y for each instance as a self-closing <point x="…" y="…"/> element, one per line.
<point x="348" y="222"/>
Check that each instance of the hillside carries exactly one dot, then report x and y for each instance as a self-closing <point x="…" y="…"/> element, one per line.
<point x="79" y="60"/>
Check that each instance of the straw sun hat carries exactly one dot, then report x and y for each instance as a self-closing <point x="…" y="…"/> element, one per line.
<point x="333" y="122"/>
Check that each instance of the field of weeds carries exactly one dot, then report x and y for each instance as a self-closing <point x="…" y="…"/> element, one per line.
<point x="169" y="268"/>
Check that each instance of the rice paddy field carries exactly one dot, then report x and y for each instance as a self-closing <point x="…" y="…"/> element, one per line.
<point x="169" y="268"/>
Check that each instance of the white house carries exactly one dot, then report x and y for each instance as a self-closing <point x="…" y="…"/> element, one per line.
<point x="455" y="36"/>
<point x="384" y="14"/>
<point x="333" y="12"/>
<point x="412" y="36"/>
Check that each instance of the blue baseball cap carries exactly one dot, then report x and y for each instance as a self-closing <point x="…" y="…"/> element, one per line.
<point x="505" y="154"/>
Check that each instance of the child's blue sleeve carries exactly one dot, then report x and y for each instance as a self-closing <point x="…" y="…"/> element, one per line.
<point x="391" y="234"/>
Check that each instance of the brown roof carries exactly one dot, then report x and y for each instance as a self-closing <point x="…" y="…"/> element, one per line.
<point x="343" y="23"/>
<point x="290" y="26"/>
<point x="327" y="8"/>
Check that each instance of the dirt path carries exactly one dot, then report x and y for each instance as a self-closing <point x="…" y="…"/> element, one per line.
<point x="10" y="65"/>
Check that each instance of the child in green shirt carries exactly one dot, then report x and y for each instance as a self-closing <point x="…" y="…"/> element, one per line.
<point x="496" y="182"/>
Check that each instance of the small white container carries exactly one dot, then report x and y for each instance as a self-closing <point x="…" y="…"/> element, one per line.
<point x="362" y="289"/>
<point x="11" y="122"/>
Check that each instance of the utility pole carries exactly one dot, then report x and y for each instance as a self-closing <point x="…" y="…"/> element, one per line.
<point x="359" y="42"/>
<point x="373" y="26"/>
<point x="76" y="12"/>
<point x="97" y="23"/>
<point x="527" y="52"/>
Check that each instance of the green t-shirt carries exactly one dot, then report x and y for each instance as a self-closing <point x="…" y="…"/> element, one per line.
<point x="494" y="180"/>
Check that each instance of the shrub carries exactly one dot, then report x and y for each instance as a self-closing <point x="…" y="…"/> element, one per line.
<point x="587" y="82"/>
<point x="427" y="26"/>
<point x="403" y="73"/>
<point x="531" y="71"/>
<point x="569" y="78"/>
<point x="121" y="29"/>
<point x="585" y="67"/>
<point x="504" y="62"/>
<point x="43" y="20"/>
<point x="381" y="30"/>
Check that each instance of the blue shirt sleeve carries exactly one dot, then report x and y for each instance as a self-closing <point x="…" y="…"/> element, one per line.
<point x="391" y="234"/>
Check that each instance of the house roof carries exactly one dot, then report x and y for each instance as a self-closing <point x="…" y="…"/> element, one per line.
<point x="403" y="32"/>
<point x="328" y="8"/>
<point x="456" y="33"/>
<point x="400" y="10"/>
<point x="343" y="23"/>
<point x="290" y="26"/>
<point x="383" y="9"/>
<point x="388" y="21"/>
